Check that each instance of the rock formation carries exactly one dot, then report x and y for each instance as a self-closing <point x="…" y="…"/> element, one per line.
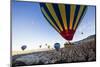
<point x="81" y="51"/>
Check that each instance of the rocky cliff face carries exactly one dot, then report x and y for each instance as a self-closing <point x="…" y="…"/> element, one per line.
<point x="81" y="51"/>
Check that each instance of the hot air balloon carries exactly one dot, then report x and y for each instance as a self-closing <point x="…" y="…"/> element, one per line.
<point x="48" y="46"/>
<point x="57" y="46"/>
<point x="40" y="46"/>
<point x="23" y="47"/>
<point x="63" y="18"/>
<point x="82" y="33"/>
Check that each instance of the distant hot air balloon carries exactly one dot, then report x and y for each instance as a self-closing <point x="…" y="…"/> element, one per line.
<point x="45" y="44"/>
<point x="63" y="18"/>
<point x="23" y="47"/>
<point x="40" y="46"/>
<point x="82" y="33"/>
<point x="57" y="46"/>
<point x="48" y="46"/>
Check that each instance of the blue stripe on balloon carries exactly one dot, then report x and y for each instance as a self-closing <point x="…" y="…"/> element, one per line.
<point x="55" y="6"/>
<point x="76" y="14"/>
<point x="67" y="7"/>
<point x="47" y="11"/>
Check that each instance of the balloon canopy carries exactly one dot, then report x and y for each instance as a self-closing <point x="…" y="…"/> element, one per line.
<point x="57" y="46"/>
<point x="23" y="47"/>
<point x="63" y="18"/>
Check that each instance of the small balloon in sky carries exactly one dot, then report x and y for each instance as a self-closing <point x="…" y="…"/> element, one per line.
<point x="48" y="46"/>
<point x="82" y="33"/>
<point x="45" y="44"/>
<point x="23" y="47"/>
<point x="57" y="46"/>
<point x="40" y="46"/>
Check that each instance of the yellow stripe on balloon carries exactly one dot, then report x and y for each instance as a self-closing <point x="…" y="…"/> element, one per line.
<point x="63" y="15"/>
<point x="43" y="10"/>
<point x="52" y="12"/>
<point x="72" y="12"/>
<point x="79" y="14"/>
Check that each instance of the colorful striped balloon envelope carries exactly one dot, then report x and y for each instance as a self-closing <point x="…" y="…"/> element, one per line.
<point x="64" y="18"/>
